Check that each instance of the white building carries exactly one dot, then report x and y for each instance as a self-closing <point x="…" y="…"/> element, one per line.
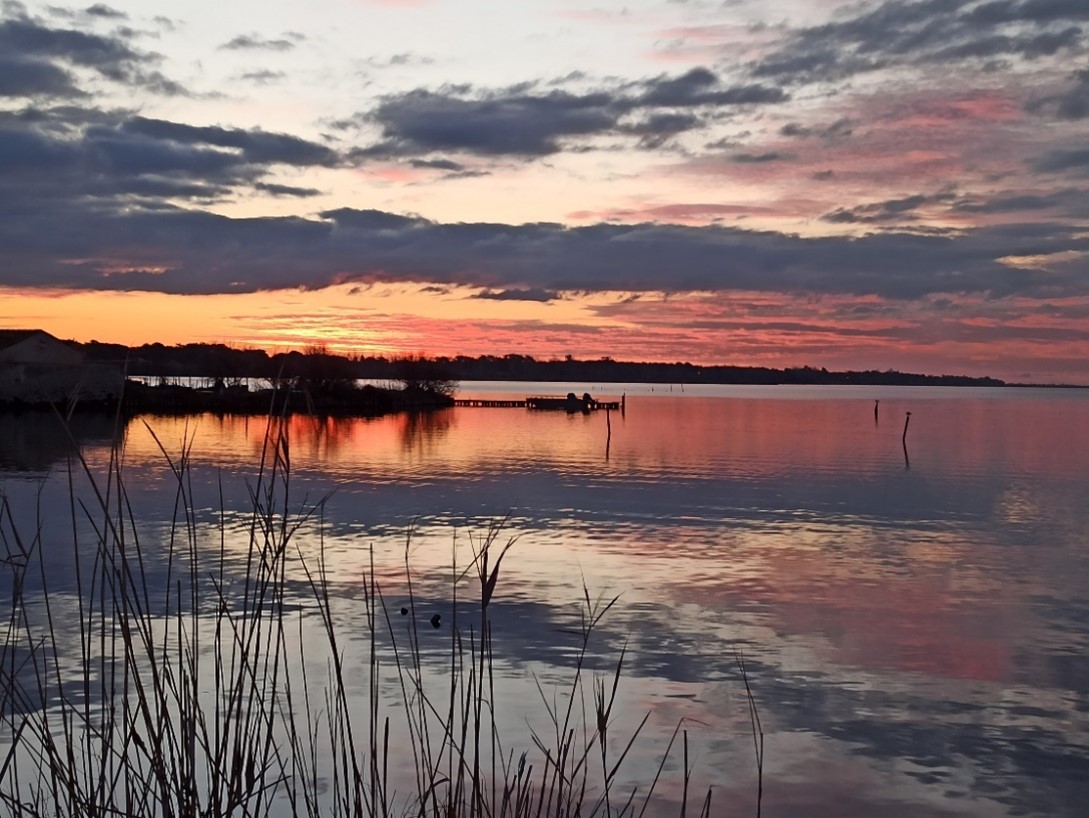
<point x="37" y="368"/>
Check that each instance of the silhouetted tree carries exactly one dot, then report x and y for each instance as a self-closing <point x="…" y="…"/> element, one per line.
<point x="416" y="373"/>
<point x="321" y="373"/>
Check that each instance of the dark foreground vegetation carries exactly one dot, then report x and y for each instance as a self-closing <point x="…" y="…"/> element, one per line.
<point x="201" y="674"/>
<point x="227" y="381"/>
<point x="221" y="361"/>
<point x="332" y="399"/>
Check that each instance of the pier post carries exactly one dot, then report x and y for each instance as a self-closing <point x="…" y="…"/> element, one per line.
<point x="609" y="432"/>
<point x="904" y="440"/>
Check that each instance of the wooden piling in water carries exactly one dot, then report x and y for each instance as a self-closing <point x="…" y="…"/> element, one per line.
<point x="609" y="431"/>
<point x="904" y="441"/>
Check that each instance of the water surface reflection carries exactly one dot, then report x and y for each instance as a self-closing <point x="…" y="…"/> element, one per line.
<point x="917" y="638"/>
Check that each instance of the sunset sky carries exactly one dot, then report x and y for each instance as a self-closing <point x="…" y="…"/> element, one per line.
<point x="759" y="182"/>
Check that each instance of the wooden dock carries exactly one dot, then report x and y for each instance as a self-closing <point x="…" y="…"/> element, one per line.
<point x="491" y="404"/>
<point x="534" y="403"/>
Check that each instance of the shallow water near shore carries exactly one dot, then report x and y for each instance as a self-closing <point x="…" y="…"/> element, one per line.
<point x="912" y="607"/>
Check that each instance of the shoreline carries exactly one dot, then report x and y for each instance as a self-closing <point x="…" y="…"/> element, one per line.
<point x="139" y="398"/>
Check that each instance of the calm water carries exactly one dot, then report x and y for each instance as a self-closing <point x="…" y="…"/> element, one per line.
<point x="915" y="622"/>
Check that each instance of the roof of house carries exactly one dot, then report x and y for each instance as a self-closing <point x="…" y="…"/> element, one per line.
<point x="10" y="337"/>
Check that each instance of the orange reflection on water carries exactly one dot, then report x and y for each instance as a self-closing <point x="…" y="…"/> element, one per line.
<point x="746" y="437"/>
<point x="798" y="511"/>
<point x="895" y="617"/>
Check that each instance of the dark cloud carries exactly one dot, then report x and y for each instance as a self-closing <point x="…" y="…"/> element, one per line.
<point x="892" y="210"/>
<point x="36" y="59"/>
<point x="62" y="243"/>
<point x="523" y="121"/>
<point x="1060" y="161"/>
<point x="438" y="164"/>
<point x="656" y="130"/>
<point x="25" y="77"/>
<point x="1075" y="103"/>
<point x="930" y="32"/>
<point x="701" y="87"/>
<point x="253" y="42"/>
<point x="85" y="160"/>
<point x="127" y="154"/>
<point x="22" y="150"/>
<point x="680" y="90"/>
<point x="447" y="170"/>
<point x="105" y="12"/>
<point x="1068" y="311"/>
<point x="1072" y="103"/>
<point x="664" y="124"/>
<point x="758" y="158"/>
<point x="821" y="65"/>
<point x="409" y="59"/>
<point x="1073" y="202"/>
<point x="1031" y="46"/>
<point x="519" y="124"/>
<point x="263" y="77"/>
<point x="840" y="129"/>
<point x="373" y="220"/>
<point x="286" y="190"/>
<point x="1029" y="11"/>
<point x="154" y="81"/>
<point x="527" y="294"/>
<point x="109" y="56"/>
<point x="255" y="147"/>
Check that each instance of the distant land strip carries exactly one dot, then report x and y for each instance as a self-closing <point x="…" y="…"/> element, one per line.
<point x="219" y="361"/>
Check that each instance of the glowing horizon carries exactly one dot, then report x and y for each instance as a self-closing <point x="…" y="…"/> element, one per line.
<point x="612" y="327"/>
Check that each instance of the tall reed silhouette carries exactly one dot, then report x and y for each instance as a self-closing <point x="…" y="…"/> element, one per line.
<point x="198" y="692"/>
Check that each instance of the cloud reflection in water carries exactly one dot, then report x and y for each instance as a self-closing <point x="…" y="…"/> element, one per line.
<point x="916" y="639"/>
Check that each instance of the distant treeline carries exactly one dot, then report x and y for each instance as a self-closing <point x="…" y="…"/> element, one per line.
<point x="227" y="363"/>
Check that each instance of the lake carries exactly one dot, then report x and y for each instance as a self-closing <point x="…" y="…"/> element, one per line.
<point x="911" y="606"/>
